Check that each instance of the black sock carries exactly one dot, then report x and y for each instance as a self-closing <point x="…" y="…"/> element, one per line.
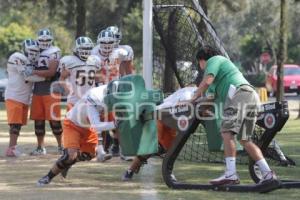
<point x="116" y="142"/>
<point x="51" y="175"/>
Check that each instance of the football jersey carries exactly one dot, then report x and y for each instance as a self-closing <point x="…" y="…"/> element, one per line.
<point x="110" y="64"/>
<point x="52" y="53"/>
<point x="86" y="112"/>
<point x="82" y="75"/>
<point x="17" y="88"/>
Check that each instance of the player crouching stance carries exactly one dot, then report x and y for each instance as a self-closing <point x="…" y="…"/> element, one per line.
<point x="80" y="133"/>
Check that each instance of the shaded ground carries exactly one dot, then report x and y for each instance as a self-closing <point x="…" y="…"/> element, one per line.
<point x="92" y="180"/>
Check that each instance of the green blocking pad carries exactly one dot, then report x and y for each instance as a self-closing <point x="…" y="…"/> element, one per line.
<point x="130" y="101"/>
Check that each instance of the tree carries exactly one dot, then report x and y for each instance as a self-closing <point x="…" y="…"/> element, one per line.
<point x="80" y="18"/>
<point x="282" y="48"/>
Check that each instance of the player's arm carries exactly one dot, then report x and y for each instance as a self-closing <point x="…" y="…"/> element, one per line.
<point x="34" y="78"/>
<point x="203" y="86"/>
<point x="50" y="72"/>
<point x="94" y="118"/>
<point x="64" y="74"/>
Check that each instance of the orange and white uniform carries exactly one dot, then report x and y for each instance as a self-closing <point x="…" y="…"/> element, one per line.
<point x="82" y="123"/>
<point x="82" y="75"/>
<point x="19" y="89"/>
<point x="45" y="106"/>
<point x="110" y="65"/>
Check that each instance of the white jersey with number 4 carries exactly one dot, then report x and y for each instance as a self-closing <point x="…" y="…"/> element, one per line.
<point x="86" y="112"/>
<point x="17" y="88"/>
<point x="82" y="75"/>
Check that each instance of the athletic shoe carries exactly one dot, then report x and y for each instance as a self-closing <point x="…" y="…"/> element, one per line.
<point x="102" y="157"/>
<point x="39" y="151"/>
<point x="115" y="150"/>
<point x="13" y="152"/>
<point x="270" y="176"/>
<point x="127" y="176"/>
<point x="225" y="179"/>
<point x="43" y="181"/>
<point x="126" y="158"/>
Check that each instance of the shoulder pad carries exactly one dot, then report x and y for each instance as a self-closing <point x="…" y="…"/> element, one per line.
<point x="69" y="62"/>
<point x="93" y="60"/>
<point x="21" y="59"/>
<point x="50" y="51"/>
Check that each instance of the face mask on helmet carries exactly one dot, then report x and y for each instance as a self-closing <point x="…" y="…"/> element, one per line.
<point x="83" y="47"/>
<point x="45" y="39"/>
<point x="31" y="50"/>
<point x="106" y="41"/>
<point x="117" y="33"/>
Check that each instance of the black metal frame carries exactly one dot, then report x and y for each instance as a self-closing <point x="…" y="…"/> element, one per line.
<point x="281" y="114"/>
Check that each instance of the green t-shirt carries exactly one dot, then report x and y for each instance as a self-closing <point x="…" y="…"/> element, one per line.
<point x="225" y="74"/>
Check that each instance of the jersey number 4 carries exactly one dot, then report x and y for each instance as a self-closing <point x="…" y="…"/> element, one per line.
<point x="83" y="77"/>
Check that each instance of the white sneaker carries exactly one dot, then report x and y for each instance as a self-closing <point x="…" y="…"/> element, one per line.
<point x="268" y="177"/>
<point x="102" y="156"/>
<point x="13" y="152"/>
<point x="39" y="151"/>
<point x="226" y="179"/>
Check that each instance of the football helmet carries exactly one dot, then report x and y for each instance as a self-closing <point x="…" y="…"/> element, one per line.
<point x="45" y="38"/>
<point x="31" y="50"/>
<point x="106" y="41"/>
<point x="83" y="47"/>
<point x="117" y="32"/>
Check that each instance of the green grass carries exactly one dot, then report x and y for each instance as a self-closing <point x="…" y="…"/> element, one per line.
<point x="92" y="180"/>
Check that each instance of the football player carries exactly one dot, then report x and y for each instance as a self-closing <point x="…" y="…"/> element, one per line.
<point x="18" y="91"/>
<point x="46" y="103"/>
<point x="126" y="66"/>
<point x="78" y="71"/>
<point x="80" y="133"/>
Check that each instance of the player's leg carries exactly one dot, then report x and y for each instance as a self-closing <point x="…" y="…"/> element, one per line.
<point x="16" y="117"/>
<point x="68" y="159"/>
<point x="57" y="132"/>
<point x="135" y="166"/>
<point x="40" y="131"/>
<point x="53" y="114"/>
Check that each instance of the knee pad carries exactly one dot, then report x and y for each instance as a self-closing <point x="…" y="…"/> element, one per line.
<point x="65" y="161"/>
<point x="56" y="127"/>
<point x="39" y="127"/>
<point x="84" y="156"/>
<point x="14" y="129"/>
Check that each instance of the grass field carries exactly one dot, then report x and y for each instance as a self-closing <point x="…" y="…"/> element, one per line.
<point x="92" y="180"/>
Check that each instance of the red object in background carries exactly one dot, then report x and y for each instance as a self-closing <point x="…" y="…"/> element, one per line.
<point x="291" y="79"/>
<point x="265" y="58"/>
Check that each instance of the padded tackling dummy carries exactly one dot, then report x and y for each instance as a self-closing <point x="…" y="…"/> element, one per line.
<point x="134" y="106"/>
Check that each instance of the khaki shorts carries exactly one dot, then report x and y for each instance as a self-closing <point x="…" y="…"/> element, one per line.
<point x="240" y="112"/>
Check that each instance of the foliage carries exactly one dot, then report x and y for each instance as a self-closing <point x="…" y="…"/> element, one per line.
<point x="12" y="36"/>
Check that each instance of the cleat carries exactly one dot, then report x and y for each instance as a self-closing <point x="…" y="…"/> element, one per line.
<point x="102" y="157"/>
<point x="39" y="151"/>
<point x="13" y="152"/>
<point x="127" y="176"/>
<point x="43" y="181"/>
<point x="225" y="179"/>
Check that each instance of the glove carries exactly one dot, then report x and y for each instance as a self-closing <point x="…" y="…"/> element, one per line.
<point x="28" y="71"/>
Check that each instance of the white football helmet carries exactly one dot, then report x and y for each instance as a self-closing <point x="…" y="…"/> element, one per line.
<point x="83" y="47"/>
<point x="45" y="38"/>
<point x="106" y="41"/>
<point x="118" y="34"/>
<point x="31" y="50"/>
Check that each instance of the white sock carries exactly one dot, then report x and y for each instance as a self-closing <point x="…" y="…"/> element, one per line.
<point x="263" y="166"/>
<point x="230" y="165"/>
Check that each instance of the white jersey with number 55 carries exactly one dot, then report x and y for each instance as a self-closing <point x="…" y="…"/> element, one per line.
<point x="82" y="75"/>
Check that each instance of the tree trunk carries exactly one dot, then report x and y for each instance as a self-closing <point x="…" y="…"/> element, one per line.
<point x="70" y="13"/>
<point x="81" y="18"/>
<point x="282" y="54"/>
